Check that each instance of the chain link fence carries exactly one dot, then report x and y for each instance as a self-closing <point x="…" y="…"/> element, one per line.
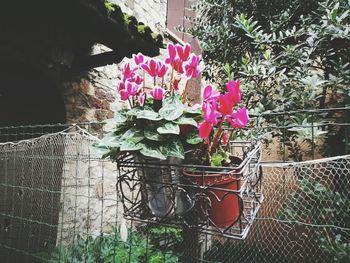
<point x="58" y="203"/>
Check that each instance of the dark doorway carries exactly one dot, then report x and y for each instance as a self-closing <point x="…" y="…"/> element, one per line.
<point x="28" y="97"/>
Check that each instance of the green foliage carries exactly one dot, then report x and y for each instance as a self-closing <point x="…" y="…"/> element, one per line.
<point x="314" y="202"/>
<point x="219" y="158"/>
<point x="289" y="55"/>
<point x="108" y="249"/>
<point x="150" y="132"/>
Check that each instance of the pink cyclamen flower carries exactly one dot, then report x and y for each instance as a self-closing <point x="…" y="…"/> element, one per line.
<point x="132" y="88"/>
<point x="127" y="72"/>
<point x="226" y="103"/>
<point x="183" y="51"/>
<point x="124" y="95"/>
<point x="177" y="64"/>
<point x="142" y="98"/>
<point x="171" y="53"/>
<point x="121" y="86"/>
<point x="239" y="119"/>
<point x="204" y="129"/>
<point x="157" y="93"/>
<point x="139" y="58"/>
<point x="136" y="79"/>
<point x="209" y="94"/>
<point x="233" y="88"/>
<point x="209" y="112"/>
<point x="192" y="67"/>
<point x="150" y="67"/>
<point x="161" y="69"/>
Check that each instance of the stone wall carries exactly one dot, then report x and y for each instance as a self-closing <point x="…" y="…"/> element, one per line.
<point x="89" y="200"/>
<point x="92" y="96"/>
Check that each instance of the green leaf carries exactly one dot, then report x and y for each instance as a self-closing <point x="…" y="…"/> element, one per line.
<point x="133" y="112"/>
<point x="111" y="140"/>
<point x="169" y="128"/>
<point x="171" y="112"/>
<point x="188" y="121"/>
<point x="132" y="135"/>
<point x="153" y="135"/>
<point x="151" y="151"/>
<point x="130" y="145"/>
<point x="193" y="138"/>
<point x="149" y="115"/>
<point x="99" y="149"/>
<point x="216" y="159"/>
<point x="173" y="148"/>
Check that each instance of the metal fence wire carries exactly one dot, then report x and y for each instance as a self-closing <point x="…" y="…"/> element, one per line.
<point x="59" y="203"/>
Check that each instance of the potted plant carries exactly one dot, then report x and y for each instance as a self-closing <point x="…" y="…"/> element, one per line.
<point x="158" y="126"/>
<point x="161" y="124"/>
<point x="220" y="171"/>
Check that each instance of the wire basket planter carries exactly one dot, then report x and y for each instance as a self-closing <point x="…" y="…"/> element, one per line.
<point x="218" y="201"/>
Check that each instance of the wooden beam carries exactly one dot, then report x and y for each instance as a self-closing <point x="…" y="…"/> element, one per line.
<point x="98" y="60"/>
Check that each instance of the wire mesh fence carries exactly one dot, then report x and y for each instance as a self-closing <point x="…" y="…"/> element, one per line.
<point x="59" y="202"/>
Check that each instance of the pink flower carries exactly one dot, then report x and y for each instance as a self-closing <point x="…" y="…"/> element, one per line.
<point x="121" y="86"/>
<point x="192" y="68"/>
<point x="157" y="93"/>
<point x="209" y="94"/>
<point x="183" y="52"/>
<point x="124" y="95"/>
<point x="171" y="53"/>
<point x="162" y="69"/>
<point x="209" y="112"/>
<point x="239" y="118"/>
<point x="131" y="88"/>
<point x="150" y="67"/>
<point x="139" y="58"/>
<point x="136" y="79"/>
<point x="226" y="103"/>
<point x="177" y="64"/>
<point x="127" y="72"/>
<point x="204" y="129"/>
<point x="233" y="88"/>
<point x="142" y="98"/>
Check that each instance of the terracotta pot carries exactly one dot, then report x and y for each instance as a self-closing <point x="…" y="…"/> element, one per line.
<point x="225" y="207"/>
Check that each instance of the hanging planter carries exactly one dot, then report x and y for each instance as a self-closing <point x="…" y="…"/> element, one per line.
<point x="150" y="139"/>
<point x="158" y="180"/>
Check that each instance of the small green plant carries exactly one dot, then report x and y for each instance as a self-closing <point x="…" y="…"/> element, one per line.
<point x="108" y="249"/>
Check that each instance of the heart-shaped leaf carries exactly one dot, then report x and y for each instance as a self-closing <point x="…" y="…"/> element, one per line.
<point x="171" y="112"/>
<point x="151" y="151"/>
<point x="173" y="148"/>
<point x="169" y="128"/>
<point x="153" y="135"/>
<point x="129" y="145"/>
<point x="188" y="121"/>
<point x="132" y="135"/>
<point x="193" y="138"/>
<point x="149" y="115"/>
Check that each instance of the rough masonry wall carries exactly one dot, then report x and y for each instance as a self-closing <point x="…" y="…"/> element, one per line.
<point x="92" y="96"/>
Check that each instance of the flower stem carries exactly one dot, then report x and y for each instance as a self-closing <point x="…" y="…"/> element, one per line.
<point x="217" y="136"/>
<point x="171" y="79"/>
<point x="184" y="94"/>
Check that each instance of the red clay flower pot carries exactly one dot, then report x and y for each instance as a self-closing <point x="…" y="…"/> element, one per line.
<point x="225" y="207"/>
